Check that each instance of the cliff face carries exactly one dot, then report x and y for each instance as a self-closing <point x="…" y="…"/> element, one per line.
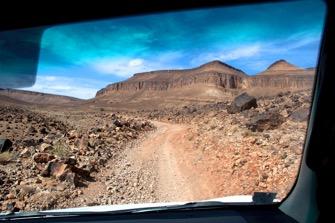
<point x="285" y="82"/>
<point x="280" y="75"/>
<point x="213" y="74"/>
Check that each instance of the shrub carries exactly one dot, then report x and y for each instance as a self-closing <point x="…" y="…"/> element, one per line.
<point x="6" y="157"/>
<point x="61" y="149"/>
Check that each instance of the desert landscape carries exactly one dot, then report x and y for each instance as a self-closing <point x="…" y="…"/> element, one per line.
<point x="159" y="136"/>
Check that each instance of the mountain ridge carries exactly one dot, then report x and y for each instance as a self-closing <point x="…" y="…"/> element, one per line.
<point x="210" y="82"/>
<point x="35" y="97"/>
<point x="214" y="73"/>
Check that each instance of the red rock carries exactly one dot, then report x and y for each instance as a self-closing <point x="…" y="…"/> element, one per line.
<point x="19" y="205"/>
<point x="43" y="157"/>
<point x="10" y="196"/>
<point x="57" y="168"/>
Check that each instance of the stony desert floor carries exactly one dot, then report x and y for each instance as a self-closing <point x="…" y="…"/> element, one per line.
<point x="73" y="158"/>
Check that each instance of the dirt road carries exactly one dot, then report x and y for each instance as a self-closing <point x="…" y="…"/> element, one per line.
<point x="157" y="169"/>
<point x="164" y="153"/>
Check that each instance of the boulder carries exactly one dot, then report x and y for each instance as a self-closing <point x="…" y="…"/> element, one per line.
<point x="54" y="168"/>
<point x="64" y="170"/>
<point x="43" y="157"/>
<point x="265" y="121"/>
<point x="43" y="131"/>
<point x="300" y="115"/>
<point x="5" y="145"/>
<point x="73" y="134"/>
<point x="71" y="161"/>
<point x="118" y="123"/>
<point x="25" y="153"/>
<point x="45" y="147"/>
<point x="69" y="177"/>
<point x="83" y="143"/>
<point x="241" y="103"/>
<point x="81" y="172"/>
<point x="19" y="205"/>
<point x="57" y="168"/>
<point x="61" y="171"/>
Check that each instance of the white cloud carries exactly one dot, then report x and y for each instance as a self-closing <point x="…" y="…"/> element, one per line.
<point x="227" y="55"/>
<point x="74" y="87"/>
<point x="127" y="66"/>
<point x="292" y="43"/>
<point x="241" y="52"/>
<point x="135" y="63"/>
<point x="119" y="67"/>
<point x="50" y="78"/>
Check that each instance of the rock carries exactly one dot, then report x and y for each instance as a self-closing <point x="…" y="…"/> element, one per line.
<point x="64" y="171"/>
<point x="265" y="121"/>
<point x="118" y="123"/>
<point x="83" y="143"/>
<point x="45" y="147"/>
<point x="241" y="103"/>
<point x="43" y="157"/>
<point x="71" y="161"/>
<point x="5" y="145"/>
<point x="43" y="131"/>
<point x="32" y="130"/>
<point x="25" y="190"/>
<point x="69" y="177"/>
<point x="25" y="153"/>
<point x="96" y="130"/>
<point x="299" y="115"/>
<point x="19" y="205"/>
<point x="10" y="196"/>
<point x="56" y="168"/>
<point x="73" y="134"/>
<point x="8" y="205"/>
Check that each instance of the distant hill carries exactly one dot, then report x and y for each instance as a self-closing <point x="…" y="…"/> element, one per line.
<point x="211" y="82"/>
<point x="282" y="67"/>
<point x="280" y="76"/>
<point x="215" y="73"/>
<point x="36" y="98"/>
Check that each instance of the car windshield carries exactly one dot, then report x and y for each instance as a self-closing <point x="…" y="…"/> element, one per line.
<point x="182" y="106"/>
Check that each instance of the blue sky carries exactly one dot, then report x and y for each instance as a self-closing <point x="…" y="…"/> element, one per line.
<point x="79" y="59"/>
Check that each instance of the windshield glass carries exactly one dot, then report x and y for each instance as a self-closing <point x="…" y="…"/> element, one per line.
<point x="179" y="106"/>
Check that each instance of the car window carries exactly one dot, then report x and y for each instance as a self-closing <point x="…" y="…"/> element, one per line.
<point x="182" y="106"/>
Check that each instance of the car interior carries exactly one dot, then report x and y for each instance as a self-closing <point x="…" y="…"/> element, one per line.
<point x="312" y="197"/>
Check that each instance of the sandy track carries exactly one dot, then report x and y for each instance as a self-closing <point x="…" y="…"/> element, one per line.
<point x="158" y="154"/>
<point x="159" y="165"/>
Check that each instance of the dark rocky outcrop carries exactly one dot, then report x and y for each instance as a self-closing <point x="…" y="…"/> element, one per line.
<point x="5" y="145"/>
<point x="300" y="115"/>
<point x="265" y="121"/>
<point x="241" y="103"/>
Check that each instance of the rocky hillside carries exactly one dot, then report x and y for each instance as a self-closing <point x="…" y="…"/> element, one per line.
<point x="214" y="73"/>
<point x="214" y="81"/>
<point x="282" y="75"/>
<point x="13" y="96"/>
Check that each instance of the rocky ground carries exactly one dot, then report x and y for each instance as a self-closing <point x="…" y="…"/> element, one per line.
<point x="54" y="155"/>
<point x="258" y="149"/>
<point x="66" y="159"/>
